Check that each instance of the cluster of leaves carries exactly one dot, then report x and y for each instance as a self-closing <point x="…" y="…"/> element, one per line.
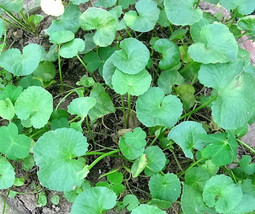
<point x="179" y="52"/>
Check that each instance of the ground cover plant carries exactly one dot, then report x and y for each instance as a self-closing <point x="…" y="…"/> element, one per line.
<point x="164" y="97"/>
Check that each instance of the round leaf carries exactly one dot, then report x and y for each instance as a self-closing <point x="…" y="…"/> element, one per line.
<point x="131" y="202"/>
<point x="103" y="22"/>
<point x="144" y="208"/>
<point x="219" y="192"/>
<point x="81" y="106"/>
<point x="56" y="155"/>
<point x="165" y="187"/>
<point x="182" y="12"/>
<point x="34" y="105"/>
<point x="170" y="53"/>
<point x="132" y="145"/>
<point x="6" y="109"/>
<point x="15" y="146"/>
<point x="61" y="37"/>
<point x="21" y="64"/>
<point x="108" y="71"/>
<point x="94" y="200"/>
<point x="134" y="84"/>
<point x="156" y="159"/>
<point x="218" y="46"/>
<point x="196" y="177"/>
<point x="7" y="174"/>
<point x="186" y="135"/>
<point x="46" y="71"/>
<point x="133" y="56"/>
<point x="234" y="105"/>
<point x="148" y="14"/>
<point x="154" y="108"/>
<point x="72" y="48"/>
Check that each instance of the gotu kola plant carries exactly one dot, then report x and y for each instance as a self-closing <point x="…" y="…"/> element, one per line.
<point x="175" y="70"/>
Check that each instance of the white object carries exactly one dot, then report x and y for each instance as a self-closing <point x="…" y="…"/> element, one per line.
<point x="52" y="7"/>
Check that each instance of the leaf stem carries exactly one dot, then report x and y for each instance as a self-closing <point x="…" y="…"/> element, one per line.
<point x="129" y="109"/>
<point x="62" y="100"/>
<point x="101" y="157"/>
<point x="191" y="166"/>
<point x="246" y="145"/>
<point x="60" y="71"/>
<point x="128" y="32"/>
<point x="124" y="110"/>
<point x="90" y="132"/>
<point x="5" y="202"/>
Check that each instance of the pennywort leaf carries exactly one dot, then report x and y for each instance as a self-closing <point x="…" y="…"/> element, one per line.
<point x="72" y="48"/>
<point x="144" y="208"/>
<point x="7" y="174"/>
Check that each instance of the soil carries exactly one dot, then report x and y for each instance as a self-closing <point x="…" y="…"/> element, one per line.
<point x="109" y="129"/>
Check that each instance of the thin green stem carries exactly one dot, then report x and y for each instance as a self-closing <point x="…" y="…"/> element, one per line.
<point x="124" y="110"/>
<point x="82" y="62"/>
<point x="156" y="137"/>
<point x="60" y="71"/>
<point x="90" y="132"/>
<point x="128" y="32"/>
<point x="5" y="202"/>
<point x="102" y="157"/>
<point x="198" y="108"/>
<point x="197" y="4"/>
<point x="63" y="99"/>
<point x="191" y="166"/>
<point x="246" y="145"/>
<point x="129" y="109"/>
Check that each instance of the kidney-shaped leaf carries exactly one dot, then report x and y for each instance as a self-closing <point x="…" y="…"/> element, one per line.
<point x="55" y="153"/>
<point x="132" y="145"/>
<point x="148" y="13"/>
<point x="165" y="187"/>
<point x="61" y="37"/>
<point x="170" y="53"/>
<point x="234" y="104"/>
<point x="186" y="135"/>
<point x="133" y="56"/>
<point x="182" y="12"/>
<point x="222" y="193"/>
<point x="72" y="48"/>
<point x="218" y="46"/>
<point x="103" y="22"/>
<point x="15" y="146"/>
<point x="21" y="64"/>
<point x="134" y="84"/>
<point x="94" y="200"/>
<point x="154" y="108"/>
<point x="81" y="106"/>
<point x="7" y="174"/>
<point x="144" y="208"/>
<point x="34" y="105"/>
<point x="247" y="24"/>
<point x="6" y="109"/>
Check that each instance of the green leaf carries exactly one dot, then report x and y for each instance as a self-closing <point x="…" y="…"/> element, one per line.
<point x="77" y="2"/>
<point x="115" y="178"/>
<point x="186" y="135"/>
<point x="46" y="71"/>
<point x="94" y="200"/>
<point x="86" y="81"/>
<point x="154" y="108"/>
<point x="234" y="105"/>
<point x="192" y="202"/>
<point x="161" y="204"/>
<point x="210" y="167"/>
<point x="244" y="7"/>
<point x="72" y="48"/>
<point x="139" y="165"/>
<point x="195" y="30"/>
<point x="168" y="79"/>
<point x="247" y="205"/>
<point x="55" y="199"/>
<point x="69" y="21"/>
<point x="187" y="94"/>
<point x="219" y="192"/>
<point x="12" y="5"/>
<point x="103" y="22"/>
<point x="81" y="106"/>
<point x="12" y="92"/>
<point x="218" y="45"/>
<point x="133" y="56"/>
<point x="178" y="34"/>
<point x="131" y="202"/>
<point x="133" y="84"/>
<point x="125" y="3"/>
<point x="246" y="166"/>
<point x="182" y="12"/>
<point x="163" y="20"/>
<point x="132" y="145"/>
<point x="93" y="61"/>
<point x="59" y="123"/>
<point x="15" y="146"/>
<point x="28" y="162"/>
<point x="61" y="37"/>
<point x="2" y="28"/>
<point x="156" y="160"/>
<point x="56" y="155"/>
<point x="145" y="20"/>
<point x="220" y="150"/>
<point x="247" y="24"/>
<point x="165" y="187"/>
<point x="28" y="81"/>
<point x="144" y="208"/>
<point x="103" y="105"/>
<point x="108" y="71"/>
<point x="21" y="64"/>
<point x="196" y="177"/>
<point x="105" y="3"/>
<point x="6" y="109"/>
<point x="34" y="105"/>
<point x="170" y="53"/>
<point x="7" y="174"/>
